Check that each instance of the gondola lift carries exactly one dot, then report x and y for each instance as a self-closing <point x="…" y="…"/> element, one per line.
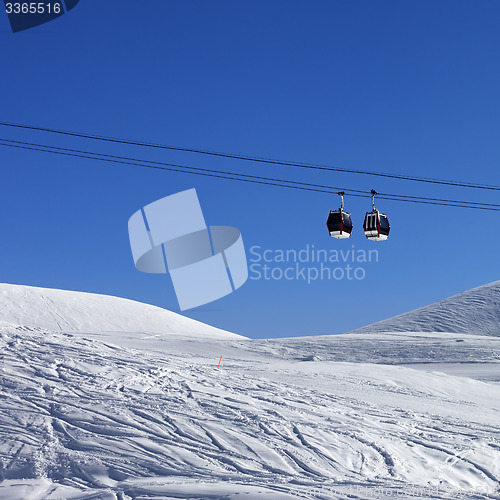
<point x="376" y="224"/>
<point x="339" y="223"/>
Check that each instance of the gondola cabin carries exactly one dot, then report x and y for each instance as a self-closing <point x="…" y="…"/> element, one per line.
<point x="376" y="226"/>
<point x="339" y="224"/>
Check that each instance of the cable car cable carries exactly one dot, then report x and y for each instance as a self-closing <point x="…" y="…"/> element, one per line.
<point x="239" y="177"/>
<point x="254" y="159"/>
<point x="322" y="186"/>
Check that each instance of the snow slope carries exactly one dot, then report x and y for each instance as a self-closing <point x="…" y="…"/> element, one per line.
<point x="320" y="417"/>
<point x="68" y="311"/>
<point x="476" y="311"/>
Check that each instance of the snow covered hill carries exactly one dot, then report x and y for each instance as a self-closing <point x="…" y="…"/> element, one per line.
<point x="476" y="311"/>
<point x="87" y="415"/>
<point x="68" y="311"/>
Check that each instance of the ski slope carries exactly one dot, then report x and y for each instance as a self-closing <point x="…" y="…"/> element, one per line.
<point x="123" y="414"/>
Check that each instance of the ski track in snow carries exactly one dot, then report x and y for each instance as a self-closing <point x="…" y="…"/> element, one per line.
<point x="107" y="398"/>
<point x="84" y="418"/>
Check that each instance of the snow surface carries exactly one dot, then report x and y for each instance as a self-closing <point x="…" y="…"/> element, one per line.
<point x="68" y="311"/>
<point x="476" y="311"/>
<point x="121" y="414"/>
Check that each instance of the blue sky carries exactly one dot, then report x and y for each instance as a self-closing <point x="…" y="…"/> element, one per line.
<point x="402" y="87"/>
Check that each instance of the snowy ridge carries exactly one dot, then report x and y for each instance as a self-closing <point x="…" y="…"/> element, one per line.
<point x="475" y="311"/>
<point x="68" y="311"/>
